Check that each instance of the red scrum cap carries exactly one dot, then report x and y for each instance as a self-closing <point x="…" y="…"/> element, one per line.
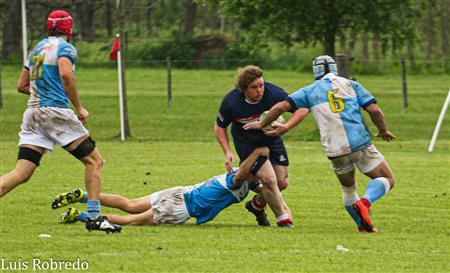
<point x="61" y="21"/>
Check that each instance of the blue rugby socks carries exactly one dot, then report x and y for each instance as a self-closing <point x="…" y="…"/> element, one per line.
<point x="376" y="189"/>
<point x="93" y="208"/>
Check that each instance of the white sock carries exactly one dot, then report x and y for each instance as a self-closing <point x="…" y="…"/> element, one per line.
<point x="349" y="195"/>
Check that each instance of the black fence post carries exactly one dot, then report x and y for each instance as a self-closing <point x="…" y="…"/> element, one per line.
<point x="169" y="81"/>
<point x="1" y="90"/>
<point x="404" y="84"/>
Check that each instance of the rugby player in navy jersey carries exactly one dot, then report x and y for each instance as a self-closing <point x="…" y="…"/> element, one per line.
<point x="48" y="78"/>
<point x="177" y="205"/>
<point x="251" y="97"/>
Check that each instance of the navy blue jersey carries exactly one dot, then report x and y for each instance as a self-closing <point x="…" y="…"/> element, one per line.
<point x="237" y="110"/>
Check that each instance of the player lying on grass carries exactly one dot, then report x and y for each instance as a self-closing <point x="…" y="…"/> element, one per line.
<point x="176" y="205"/>
<point x="336" y="103"/>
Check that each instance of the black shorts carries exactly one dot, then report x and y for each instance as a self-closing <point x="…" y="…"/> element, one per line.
<point x="277" y="155"/>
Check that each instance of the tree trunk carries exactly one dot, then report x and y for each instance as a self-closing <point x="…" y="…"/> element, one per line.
<point x="376" y="46"/>
<point x="137" y="22"/>
<point x="365" y="49"/>
<point x="1" y="90"/>
<point x="352" y="42"/>
<point x="445" y="19"/>
<point x="329" y="40"/>
<point x="85" y="13"/>
<point x="394" y="47"/>
<point x="189" y="20"/>
<point x="410" y="51"/>
<point x="149" y="17"/>
<point x="332" y="25"/>
<point x="429" y="32"/>
<point x="108" y="17"/>
<point x="343" y="43"/>
<point x="11" y="30"/>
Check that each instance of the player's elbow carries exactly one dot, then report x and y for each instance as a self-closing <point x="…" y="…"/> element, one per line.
<point x="219" y="131"/>
<point x="66" y="77"/>
<point x="23" y="88"/>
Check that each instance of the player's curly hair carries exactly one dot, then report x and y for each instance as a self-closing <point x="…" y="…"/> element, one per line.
<point x="246" y="75"/>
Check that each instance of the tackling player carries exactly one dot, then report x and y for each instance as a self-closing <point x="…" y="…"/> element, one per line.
<point x="243" y="105"/>
<point x="335" y="103"/>
<point x="48" y="78"/>
<point x="176" y="205"/>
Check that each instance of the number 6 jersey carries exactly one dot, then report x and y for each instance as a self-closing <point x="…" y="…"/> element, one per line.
<point x="46" y="89"/>
<point x="335" y="104"/>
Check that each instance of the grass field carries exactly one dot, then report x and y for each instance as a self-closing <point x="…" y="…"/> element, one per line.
<point x="176" y="146"/>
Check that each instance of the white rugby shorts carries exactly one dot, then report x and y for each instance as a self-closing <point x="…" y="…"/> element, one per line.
<point x="168" y="206"/>
<point x="365" y="160"/>
<point x="46" y="126"/>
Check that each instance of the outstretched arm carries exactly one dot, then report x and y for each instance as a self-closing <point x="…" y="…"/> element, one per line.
<point x="377" y="117"/>
<point x="222" y="138"/>
<point x="272" y="115"/>
<point x="246" y="166"/>
<point x="298" y="116"/>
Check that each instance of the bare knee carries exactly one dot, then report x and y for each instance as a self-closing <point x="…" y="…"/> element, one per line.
<point x="283" y="183"/>
<point x="94" y="160"/>
<point x="391" y="181"/>
<point x="132" y="206"/>
<point x="268" y="180"/>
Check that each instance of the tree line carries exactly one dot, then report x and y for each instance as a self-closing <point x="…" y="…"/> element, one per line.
<point x="367" y="30"/>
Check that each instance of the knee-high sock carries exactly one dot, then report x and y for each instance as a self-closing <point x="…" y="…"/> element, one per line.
<point x="93" y="208"/>
<point x="376" y="189"/>
<point x="349" y="196"/>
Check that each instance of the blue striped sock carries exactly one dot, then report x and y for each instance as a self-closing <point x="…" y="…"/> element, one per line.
<point x="93" y="208"/>
<point x="375" y="190"/>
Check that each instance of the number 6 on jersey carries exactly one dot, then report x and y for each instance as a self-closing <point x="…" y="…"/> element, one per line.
<point x="336" y="104"/>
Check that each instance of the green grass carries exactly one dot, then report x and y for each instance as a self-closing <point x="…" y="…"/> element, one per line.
<point x="176" y="146"/>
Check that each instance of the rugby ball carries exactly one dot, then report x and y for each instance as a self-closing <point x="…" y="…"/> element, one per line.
<point x="278" y="121"/>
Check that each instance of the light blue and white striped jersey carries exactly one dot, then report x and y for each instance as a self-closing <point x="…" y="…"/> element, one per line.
<point x="215" y="194"/>
<point x="335" y="104"/>
<point x="46" y="89"/>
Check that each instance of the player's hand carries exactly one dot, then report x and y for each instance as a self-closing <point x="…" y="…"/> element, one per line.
<point x="83" y="114"/>
<point x="229" y="160"/>
<point x="256" y="125"/>
<point x="386" y="135"/>
<point x="279" y="129"/>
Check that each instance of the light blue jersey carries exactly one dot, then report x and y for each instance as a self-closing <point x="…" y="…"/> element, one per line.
<point x="206" y="200"/>
<point x="46" y="89"/>
<point x="335" y="104"/>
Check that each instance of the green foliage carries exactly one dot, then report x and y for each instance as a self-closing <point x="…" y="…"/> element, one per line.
<point x="316" y="21"/>
<point x="179" y="49"/>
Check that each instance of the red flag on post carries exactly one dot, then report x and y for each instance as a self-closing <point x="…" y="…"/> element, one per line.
<point x="115" y="48"/>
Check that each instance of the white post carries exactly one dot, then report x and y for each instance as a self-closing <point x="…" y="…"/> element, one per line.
<point x="24" y="32"/>
<point x="439" y="123"/>
<point x="119" y="73"/>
